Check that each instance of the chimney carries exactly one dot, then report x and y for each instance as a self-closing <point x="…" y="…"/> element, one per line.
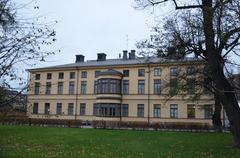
<point x="132" y="54"/>
<point x="79" y="58"/>
<point x="125" y="56"/>
<point x="101" y="57"/>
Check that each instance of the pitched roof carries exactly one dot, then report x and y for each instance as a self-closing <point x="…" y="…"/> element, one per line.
<point x="121" y="62"/>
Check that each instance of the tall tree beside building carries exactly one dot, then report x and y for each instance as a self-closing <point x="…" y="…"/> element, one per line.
<point x="210" y="29"/>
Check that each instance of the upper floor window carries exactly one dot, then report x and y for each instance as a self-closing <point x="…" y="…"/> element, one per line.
<point x="191" y="85"/>
<point x="61" y="75"/>
<point x="83" y="87"/>
<point x="71" y="87"/>
<point x="37" y="77"/>
<point x="157" y="86"/>
<point x="110" y="86"/>
<point x="191" y="70"/>
<point x="173" y="86"/>
<point x="141" y="86"/>
<point x="126" y="73"/>
<point x="37" y="88"/>
<point x="96" y="73"/>
<point x="141" y="72"/>
<point x="60" y="88"/>
<point x="48" y="88"/>
<point x="157" y="72"/>
<point x="72" y="75"/>
<point x="173" y="71"/>
<point x="49" y="76"/>
<point x="125" y="89"/>
<point x="95" y="87"/>
<point x="84" y="74"/>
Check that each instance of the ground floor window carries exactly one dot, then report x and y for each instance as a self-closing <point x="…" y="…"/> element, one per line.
<point x="70" y="108"/>
<point x="191" y="111"/>
<point x="82" y="108"/>
<point x="106" y="109"/>
<point x="157" y="110"/>
<point x="140" y="110"/>
<point x="59" y="109"/>
<point x="125" y="110"/>
<point x="35" y="108"/>
<point x="173" y="110"/>
<point x="47" y="108"/>
<point x="208" y="111"/>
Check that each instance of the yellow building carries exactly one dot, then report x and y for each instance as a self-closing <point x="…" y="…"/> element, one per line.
<point x="125" y="89"/>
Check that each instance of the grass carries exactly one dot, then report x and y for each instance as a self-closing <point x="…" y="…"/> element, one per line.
<point x="31" y="142"/>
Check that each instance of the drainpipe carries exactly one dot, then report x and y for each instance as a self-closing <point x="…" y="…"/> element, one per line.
<point x="149" y="93"/>
<point x="76" y="93"/>
<point x="121" y="92"/>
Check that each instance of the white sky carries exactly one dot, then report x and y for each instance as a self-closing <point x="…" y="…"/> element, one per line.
<point x="89" y="27"/>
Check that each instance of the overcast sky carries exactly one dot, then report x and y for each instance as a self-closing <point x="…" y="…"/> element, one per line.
<point x="89" y="27"/>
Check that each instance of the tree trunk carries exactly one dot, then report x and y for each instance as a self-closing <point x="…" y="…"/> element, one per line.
<point x="216" y="119"/>
<point x="224" y="90"/>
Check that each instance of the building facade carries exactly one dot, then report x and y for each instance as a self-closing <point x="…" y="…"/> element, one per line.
<point x="124" y="89"/>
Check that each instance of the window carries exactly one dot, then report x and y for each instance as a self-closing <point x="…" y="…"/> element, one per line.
<point x="157" y="72"/>
<point x="140" y="110"/>
<point x="37" y="88"/>
<point x="59" y="109"/>
<point x="71" y="87"/>
<point x="61" y="75"/>
<point x="157" y="110"/>
<point x="191" y="70"/>
<point x="190" y="85"/>
<point x="84" y="74"/>
<point x="47" y="109"/>
<point x="157" y="86"/>
<point x="70" y="108"/>
<point x="208" y="111"/>
<point x="141" y="85"/>
<point x="60" y="88"/>
<point x="106" y="110"/>
<point x="141" y="72"/>
<point x="109" y="86"/>
<point x="125" y="87"/>
<point x="72" y="75"/>
<point x="173" y="71"/>
<point x="96" y="73"/>
<point x="49" y="76"/>
<point x="125" y="110"/>
<point x="126" y="73"/>
<point x="173" y="110"/>
<point x="191" y="111"/>
<point x="83" y="87"/>
<point x="95" y="87"/>
<point x="48" y="88"/>
<point x="82" y="108"/>
<point x="37" y="77"/>
<point x="95" y="109"/>
<point x="173" y="86"/>
<point x="35" y="108"/>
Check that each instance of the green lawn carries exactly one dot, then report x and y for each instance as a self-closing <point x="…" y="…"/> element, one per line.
<point x="31" y="142"/>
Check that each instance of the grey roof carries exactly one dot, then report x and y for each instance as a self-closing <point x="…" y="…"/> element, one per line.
<point x="118" y="62"/>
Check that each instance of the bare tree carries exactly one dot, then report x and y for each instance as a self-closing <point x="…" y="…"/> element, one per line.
<point x="211" y="30"/>
<point x="23" y="41"/>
